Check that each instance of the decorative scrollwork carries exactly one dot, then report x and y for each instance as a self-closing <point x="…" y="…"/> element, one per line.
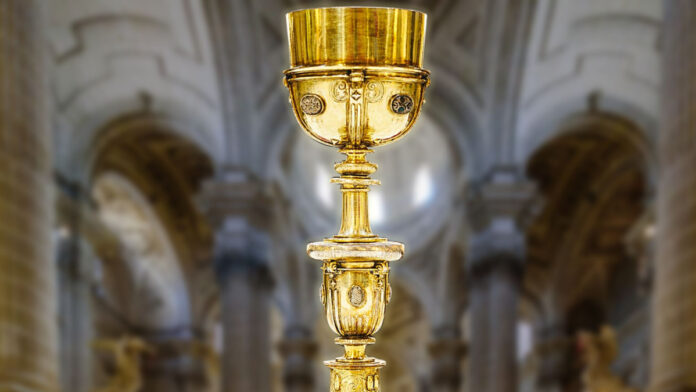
<point x="339" y="91"/>
<point x="374" y="91"/>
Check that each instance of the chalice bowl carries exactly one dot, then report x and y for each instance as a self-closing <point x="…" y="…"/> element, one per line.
<point x="356" y="83"/>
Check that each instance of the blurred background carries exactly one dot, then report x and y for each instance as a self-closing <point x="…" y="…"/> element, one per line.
<point x="156" y="197"/>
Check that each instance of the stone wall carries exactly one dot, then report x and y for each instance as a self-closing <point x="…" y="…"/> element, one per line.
<point x="674" y="321"/>
<point x="28" y="351"/>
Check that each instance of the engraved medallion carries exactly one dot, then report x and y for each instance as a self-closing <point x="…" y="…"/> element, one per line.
<point x="312" y="104"/>
<point x="401" y="104"/>
<point x="356" y="296"/>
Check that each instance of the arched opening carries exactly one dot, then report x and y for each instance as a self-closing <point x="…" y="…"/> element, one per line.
<point x="152" y="294"/>
<point x="594" y="181"/>
<point x="153" y="283"/>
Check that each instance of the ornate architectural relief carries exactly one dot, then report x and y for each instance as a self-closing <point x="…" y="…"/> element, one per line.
<point x="127" y="352"/>
<point x="598" y="352"/>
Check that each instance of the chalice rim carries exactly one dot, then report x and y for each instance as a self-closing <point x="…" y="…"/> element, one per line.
<point x="358" y="7"/>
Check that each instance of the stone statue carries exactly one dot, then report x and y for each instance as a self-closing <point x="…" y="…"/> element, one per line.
<point x="127" y="352"/>
<point x="211" y="363"/>
<point x="598" y="351"/>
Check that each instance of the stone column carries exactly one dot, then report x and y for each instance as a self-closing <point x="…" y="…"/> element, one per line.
<point x="477" y="375"/>
<point x="447" y="351"/>
<point x="298" y="349"/>
<point x="674" y="300"/>
<point x="504" y="282"/>
<point x="240" y="213"/>
<point x="246" y="300"/>
<point x="28" y="329"/>
<point x="498" y="209"/>
<point x="494" y="324"/>
<point x="75" y="317"/>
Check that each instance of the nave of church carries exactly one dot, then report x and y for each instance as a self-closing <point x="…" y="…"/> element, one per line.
<point x="157" y="196"/>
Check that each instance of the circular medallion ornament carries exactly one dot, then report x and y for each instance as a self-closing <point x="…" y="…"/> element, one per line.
<point x="311" y="104"/>
<point x="356" y="296"/>
<point x="401" y="104"/>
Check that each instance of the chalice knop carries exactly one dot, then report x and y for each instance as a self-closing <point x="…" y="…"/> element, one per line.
<point x="356" y="83"/>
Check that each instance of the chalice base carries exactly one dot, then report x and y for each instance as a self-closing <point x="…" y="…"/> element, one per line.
<point x="355" y="375"/>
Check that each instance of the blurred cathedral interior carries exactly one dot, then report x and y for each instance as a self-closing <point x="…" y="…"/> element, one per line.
<point x="157" y="196"/>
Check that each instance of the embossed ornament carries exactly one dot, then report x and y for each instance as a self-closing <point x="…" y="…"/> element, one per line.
<point x="312" y="104"/>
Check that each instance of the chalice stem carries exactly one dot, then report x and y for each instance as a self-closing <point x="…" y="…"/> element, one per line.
<point x="355" y="183"/>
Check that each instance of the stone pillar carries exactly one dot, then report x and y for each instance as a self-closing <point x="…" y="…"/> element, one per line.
<point x="298" y="349"/>
<point x="75" y="312"/>
<point x="246" y="300"/>
<point x="674" y="300"/>
<point x="477" y="375"/>
<point x="28" y="328"/>
<point x="504" y="282"/>
<point x="494" y="324"/>
<point x="240" y="212"/>
<point x="447" y="351"/>
<point x="498" y="209"/>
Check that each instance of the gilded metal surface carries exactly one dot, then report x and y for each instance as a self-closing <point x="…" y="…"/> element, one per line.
<point x="356" y="82"/>
<point x="362" y="37"/>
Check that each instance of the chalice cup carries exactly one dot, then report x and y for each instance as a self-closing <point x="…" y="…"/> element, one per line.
<point x="356" y="83"/>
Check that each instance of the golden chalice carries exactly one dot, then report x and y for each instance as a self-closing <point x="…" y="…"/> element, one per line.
<point x="356" y="82"/>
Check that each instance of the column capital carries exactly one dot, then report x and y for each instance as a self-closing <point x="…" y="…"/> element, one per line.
<point x="240" y="209"/>
<point x="248" y="265"/>
<point x="498" y="209"/>
<point x="503" y="195"/>
<point x="236" y="194"/>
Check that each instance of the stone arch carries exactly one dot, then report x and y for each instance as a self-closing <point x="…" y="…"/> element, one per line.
<point x="595" y="176"/>
<point x="76" y="153"/>
<point x="165" y="169"/>
<point x="560" y="116"/>
<point x="110" y="60"/>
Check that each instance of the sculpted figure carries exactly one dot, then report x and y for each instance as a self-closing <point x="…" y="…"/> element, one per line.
<point x="211" y="363"/>
<point x="127" y="352"/>
<point x="598" y="351"/>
